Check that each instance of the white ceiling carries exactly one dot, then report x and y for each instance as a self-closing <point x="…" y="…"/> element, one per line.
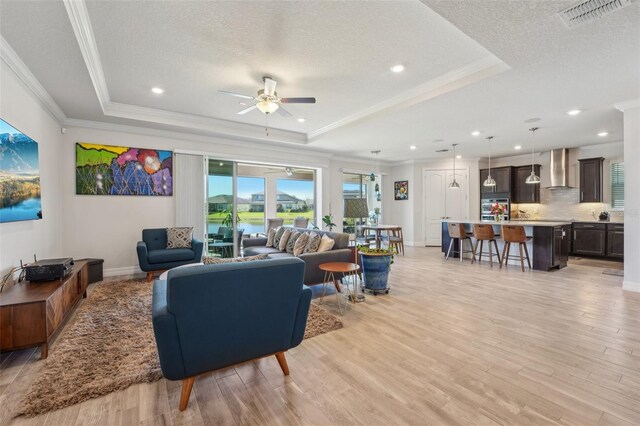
<point x="469" y="65"/>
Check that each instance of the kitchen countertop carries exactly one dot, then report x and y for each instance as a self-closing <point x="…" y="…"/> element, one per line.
<point x="618" y="222"/>
<point x="512" y="222"/>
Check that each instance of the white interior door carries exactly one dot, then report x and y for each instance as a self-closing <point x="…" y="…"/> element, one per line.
<point x="441" y="203"/>
<point x="434" y="203"/>
<point x="457" y="200"/>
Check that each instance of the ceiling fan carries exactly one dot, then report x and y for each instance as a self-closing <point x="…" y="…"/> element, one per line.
<point x="268" y="101"/>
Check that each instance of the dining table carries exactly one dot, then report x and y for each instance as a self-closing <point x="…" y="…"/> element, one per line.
<point x="378" y="229"/>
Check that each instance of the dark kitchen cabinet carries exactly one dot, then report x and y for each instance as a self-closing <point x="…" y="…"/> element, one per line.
<point x="591" y="180"/>
<point x="615" y="240"/>
<point x="524" y="192"/>
<point x="502" y="176"/>
<point x="589" y="239"/>
<point x="551" y="247"/>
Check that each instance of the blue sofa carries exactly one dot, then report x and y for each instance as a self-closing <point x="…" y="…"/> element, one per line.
<point x="208" y="317"/>
<point x="154" y="256"/>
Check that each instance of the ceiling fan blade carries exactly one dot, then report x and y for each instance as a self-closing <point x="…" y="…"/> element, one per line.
<point x="237" y="95"/>
<point x="283" y="112"/>
<point x="246" y="110"/>
<point x="269" y="86"/>
<point x="298" y="100"/>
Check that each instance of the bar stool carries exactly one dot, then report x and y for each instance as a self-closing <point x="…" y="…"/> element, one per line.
<point x="514" y="234"/>
<point x="484" y="233"/>
<point x="397" y="240"/>
<point x="456" y="230"/>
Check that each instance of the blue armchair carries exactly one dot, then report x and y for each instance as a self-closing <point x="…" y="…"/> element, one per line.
<point x="212" y="316"/>
<point x="154" y="256"/>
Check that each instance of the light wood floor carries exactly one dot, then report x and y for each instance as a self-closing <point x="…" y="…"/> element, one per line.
<point x="451" y="344"/>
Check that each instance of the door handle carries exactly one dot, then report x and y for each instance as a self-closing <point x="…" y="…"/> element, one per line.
<point x="581" y="195"/>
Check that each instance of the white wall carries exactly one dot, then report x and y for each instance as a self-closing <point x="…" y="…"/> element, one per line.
<point x="408" y="214"/>
<point x="20" y="240"/>
<point x="632" y="197"/>
<point x="108" y="227"/>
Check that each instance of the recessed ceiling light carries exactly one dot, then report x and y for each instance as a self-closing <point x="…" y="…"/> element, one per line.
<point x="475" y="133"/>
<point x="458" y="156"/>
<point x="397" y="68"/>
<point x="157" y="90"/>
<point x="301" y="120"/>
<point x="412" y="147"/>
<point x="603" y="134"/>
<point x="242" y="103"/>
<point x="574" y="112"/>
<point x="517" y="147"/>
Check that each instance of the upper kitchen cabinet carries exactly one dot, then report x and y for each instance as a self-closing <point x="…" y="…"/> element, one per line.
<point x="502" y="176"/>
<point x="591" y="180"/>
<point x="524" y="192"/>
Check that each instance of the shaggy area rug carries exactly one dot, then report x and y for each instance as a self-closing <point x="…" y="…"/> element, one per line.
<point x="110" y="346"/>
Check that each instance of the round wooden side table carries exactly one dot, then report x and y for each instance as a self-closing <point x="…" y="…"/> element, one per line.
<point x="349" y="272"/>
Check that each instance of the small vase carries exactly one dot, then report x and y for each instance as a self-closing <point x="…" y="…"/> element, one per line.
<point x="497" y="218"/>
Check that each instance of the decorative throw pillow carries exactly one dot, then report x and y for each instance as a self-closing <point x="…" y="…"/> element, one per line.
<point x="278" y="236"/>
<point x="270" y="235"/>
<point x="179" y="237"/>
<point x="326" y="243"/>
<point x="208" y="260"/>
<point x="300" y="244"/>
<point x="282" y="245"/>
<point x="313" y="243"/>
<point x="291" y="243"/>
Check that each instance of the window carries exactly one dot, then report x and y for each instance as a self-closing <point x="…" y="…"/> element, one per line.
<point x="295" y="198"/>
<point x="617" y="185"/>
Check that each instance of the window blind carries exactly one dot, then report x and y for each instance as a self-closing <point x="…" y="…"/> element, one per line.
<point x="617" y="185"/>
<point x="189" y="192"/>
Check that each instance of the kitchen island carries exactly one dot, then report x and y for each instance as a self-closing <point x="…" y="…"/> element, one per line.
<point x="548" y="246"/>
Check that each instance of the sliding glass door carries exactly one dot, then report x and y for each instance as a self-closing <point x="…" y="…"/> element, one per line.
<point x="221" y="212"/>
<point x="241" y="197"/>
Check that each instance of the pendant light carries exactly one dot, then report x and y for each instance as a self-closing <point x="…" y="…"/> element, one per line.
<point x="489" y="180"/>
<point x="532" y="178"/>
<point x="454" y="184"/>
<point x="372" y="176"/>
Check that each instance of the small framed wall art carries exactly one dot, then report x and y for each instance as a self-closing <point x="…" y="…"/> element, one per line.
<point x="401" y="190"/>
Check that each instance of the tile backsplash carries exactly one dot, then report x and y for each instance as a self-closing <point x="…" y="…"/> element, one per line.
<point x="563" y="204"/>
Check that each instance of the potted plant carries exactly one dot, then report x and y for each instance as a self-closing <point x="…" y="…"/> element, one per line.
<point x="376" y="265"/>
<point x="328" y="221"/>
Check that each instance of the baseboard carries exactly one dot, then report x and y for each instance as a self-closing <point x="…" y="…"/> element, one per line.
<point x="631" y="286"/>
<point x="127" y="271"/>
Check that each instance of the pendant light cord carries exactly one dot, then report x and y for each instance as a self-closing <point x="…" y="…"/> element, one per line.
<point x="533" y="134"/>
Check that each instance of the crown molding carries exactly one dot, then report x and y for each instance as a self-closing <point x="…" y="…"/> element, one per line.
<point x="626" y="105"/>
<point x="277" y="150"/>
<point x="81" y="24"/>
<point x="455" y="79"/>
<point x="213" y="126"/>
<point x="15" y="64"/>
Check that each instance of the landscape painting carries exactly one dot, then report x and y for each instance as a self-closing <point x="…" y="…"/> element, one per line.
<point x="122" y="170"/>
<point x="19" y="176"/>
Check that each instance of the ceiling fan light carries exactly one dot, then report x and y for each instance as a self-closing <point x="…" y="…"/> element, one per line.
<point x="267" y="107"/>
<point x="489" y="181"/>
<point x="532" y="178"/>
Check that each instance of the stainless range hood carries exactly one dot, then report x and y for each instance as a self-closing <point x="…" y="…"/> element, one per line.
<point x="559" y="168"/>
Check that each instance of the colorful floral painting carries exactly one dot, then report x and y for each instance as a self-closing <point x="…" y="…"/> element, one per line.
<point x="19" y="176"/>
<point x="401" y="190"/>
<point x="120" y="170"/>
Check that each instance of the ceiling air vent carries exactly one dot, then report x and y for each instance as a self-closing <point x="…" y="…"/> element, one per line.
<point x="590" y="10"/>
